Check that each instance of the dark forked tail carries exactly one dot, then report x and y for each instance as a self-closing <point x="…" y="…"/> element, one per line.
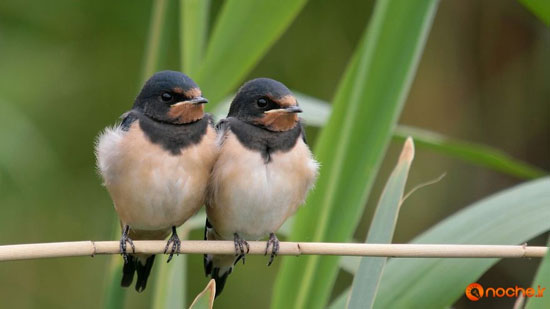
<point x="140" y="265"/>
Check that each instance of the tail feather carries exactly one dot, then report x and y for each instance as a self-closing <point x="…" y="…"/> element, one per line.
<point x="207" y="262"/>
<point x="128" y="271"/>
<point x="139" y="266"/>
<point x="143" y="272"/>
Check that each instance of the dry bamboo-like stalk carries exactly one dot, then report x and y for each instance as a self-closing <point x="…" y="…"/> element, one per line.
<point x="92" y="248"/>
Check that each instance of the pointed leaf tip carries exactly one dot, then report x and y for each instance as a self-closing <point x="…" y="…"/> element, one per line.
<point x="407" y="154"/>
<point x="205" y="299"/>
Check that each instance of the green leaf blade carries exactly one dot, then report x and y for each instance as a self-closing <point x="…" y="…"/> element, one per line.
<point x="170" y="283"/>
<point x="541" y="8"/>
<point x="205" y="299"/>
<point x="114" y="296"/>
<point x="351" y="146"/>
<point x="341" y="302"/>
<point x="193" y="33"/>
<point x="510" y="217"/>
<point x="475" y="153"/>
<point x="221" y="71"/>
<point x="156" y="32"/>
<point x="542" y="279"/>
<point x="367" y="278"/>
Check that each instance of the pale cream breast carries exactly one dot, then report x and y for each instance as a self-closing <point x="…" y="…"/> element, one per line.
<point x="151" y="188"/>
<point x="253" y="198"/>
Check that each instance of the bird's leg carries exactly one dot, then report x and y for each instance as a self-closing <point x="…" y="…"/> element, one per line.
<point x="240" y="244"/>
<point x="123" y="240"/>
<point x="176" y="244"/>
<point x="274" y="242"/>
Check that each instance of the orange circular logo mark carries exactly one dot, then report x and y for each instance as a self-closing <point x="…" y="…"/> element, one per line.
<point x="474" y="291"/>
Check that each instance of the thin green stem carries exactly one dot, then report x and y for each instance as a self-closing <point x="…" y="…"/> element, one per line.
<point x="156" y="29"/>
<point x="114" y="295"/>
<point x="193" y="33"/>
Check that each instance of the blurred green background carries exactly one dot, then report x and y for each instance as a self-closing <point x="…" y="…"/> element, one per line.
<point x="68" y="69"/>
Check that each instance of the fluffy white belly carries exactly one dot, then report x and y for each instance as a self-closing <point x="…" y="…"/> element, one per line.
<point x="151" y="188"/>
<point x="253" y="198"/>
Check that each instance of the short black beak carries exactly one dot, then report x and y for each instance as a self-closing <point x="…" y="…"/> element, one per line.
<point x="198" y="100"/>
<point x="293" y="109"/>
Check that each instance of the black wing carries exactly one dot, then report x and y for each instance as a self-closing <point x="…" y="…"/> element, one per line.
<point x="127" y="119"/>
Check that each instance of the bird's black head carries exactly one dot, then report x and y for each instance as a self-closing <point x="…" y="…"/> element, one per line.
<point x="172" y="97"/>
<point x="266" y="103"/>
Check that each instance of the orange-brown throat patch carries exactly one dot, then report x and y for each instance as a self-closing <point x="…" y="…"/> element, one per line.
<point x="279" y="121"/>
<point x="186" y="113"/>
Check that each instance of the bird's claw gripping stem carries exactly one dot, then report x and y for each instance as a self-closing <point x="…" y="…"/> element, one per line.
<point x="123" y="240"/>
<point x="175" y="241"/>
<point x="240" y="245"/>
<point x="274" y="242"/>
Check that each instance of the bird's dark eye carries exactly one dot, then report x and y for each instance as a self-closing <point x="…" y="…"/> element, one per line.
<point x="262" y="102"/>
<point x="166" y="97"/>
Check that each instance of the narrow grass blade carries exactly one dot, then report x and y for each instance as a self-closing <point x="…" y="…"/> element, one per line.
<point x="171" y="279"/>
<point x="542" y="279"/>
<point x="367" y="278"/>
<point x="114" y="295"/>
<point x="475" y="153"/>
<point x="541" y="8"/>
<point x="193" y="33"/>
<point x="350" y="264"/>
<point x="351" y="147"/>
<point x="205" y="299"/>
<point x="170" y="283"/>
<point x="235" y="46"/>
<point x="153" y="45"/>
<point x="510" y="217"/>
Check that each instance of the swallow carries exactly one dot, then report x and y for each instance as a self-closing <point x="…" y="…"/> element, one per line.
<point x="262" y="175"/>
<point x="156" y="164"/>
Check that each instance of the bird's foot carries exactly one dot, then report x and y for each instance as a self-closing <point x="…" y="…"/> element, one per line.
<point x="175" y="241"/>
<point x="123" y="240"/>
<point x="274" y="242"/>
<point x="240" y="244"/>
